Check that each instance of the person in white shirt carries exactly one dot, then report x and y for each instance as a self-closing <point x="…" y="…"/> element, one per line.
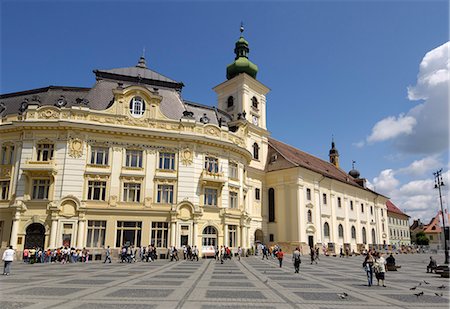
<point x="8" y="258"/>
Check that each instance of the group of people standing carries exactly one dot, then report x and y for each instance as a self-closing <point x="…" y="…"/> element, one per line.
<point x="61" y="255"/>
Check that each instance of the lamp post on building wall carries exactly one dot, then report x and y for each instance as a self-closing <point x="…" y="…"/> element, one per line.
<point x="438" y="183"/>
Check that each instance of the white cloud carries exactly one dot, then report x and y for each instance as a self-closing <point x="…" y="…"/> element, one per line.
<point x="385" y="182"/>
<point x="425" y="127"/>
<point x="391" y="127"/>
<point x="422" y="166"/>
<point x="417" y="198"/>
<point x="359" y="144"/>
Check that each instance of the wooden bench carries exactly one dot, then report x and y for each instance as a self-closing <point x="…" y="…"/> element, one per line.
<point x="392" y="267"/>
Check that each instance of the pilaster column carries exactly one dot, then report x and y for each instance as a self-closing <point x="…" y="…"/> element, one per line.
<point x="80" y="238"/>
<point x="225" y="236"/>
<point x="53" y="230"/>
<point x="14" y="230"/>
<point x="172" y="233"/>
<point x="195" y="234"/>
<point x="241" y="236"/>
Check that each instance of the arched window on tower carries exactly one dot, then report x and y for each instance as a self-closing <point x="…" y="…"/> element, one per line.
<point x="230" y="101"/>
<point x="326" y="230"/>
<point x="309" y="216"/>
<point x="255" y="102"/>
<point x="255" y="151"/>
<point x="271" y="205"/>
<point x="341" y="231"/>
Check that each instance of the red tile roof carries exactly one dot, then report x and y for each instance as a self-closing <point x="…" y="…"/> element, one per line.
<point x="308" y="161"/>
<point x="392" y="208"/>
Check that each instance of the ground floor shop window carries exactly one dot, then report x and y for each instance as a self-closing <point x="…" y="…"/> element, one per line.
<point x="159" y="234"/>
<point x="128" y="233"/>
<point x="96" y="234"/>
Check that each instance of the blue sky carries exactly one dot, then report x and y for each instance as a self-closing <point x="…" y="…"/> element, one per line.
<point x="334" y="68"/>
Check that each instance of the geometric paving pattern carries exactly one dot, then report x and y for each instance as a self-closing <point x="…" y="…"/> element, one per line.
<point x="250" y="283"/>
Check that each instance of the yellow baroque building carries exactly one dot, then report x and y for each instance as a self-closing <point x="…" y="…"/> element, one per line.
<point x="130" y="162"/>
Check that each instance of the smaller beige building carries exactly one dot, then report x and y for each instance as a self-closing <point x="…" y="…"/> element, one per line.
<point x="398" y="223"/>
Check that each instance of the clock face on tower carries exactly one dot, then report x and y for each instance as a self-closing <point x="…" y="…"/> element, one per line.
<point x="255" y="120"/>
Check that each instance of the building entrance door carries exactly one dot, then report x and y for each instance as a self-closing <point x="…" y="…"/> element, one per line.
<point x="184" y="235"/>
<point x="35" y="237"/>
<point x="311" y="241"/>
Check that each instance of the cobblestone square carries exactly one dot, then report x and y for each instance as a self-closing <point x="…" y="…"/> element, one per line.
<point x="248" y="283"/>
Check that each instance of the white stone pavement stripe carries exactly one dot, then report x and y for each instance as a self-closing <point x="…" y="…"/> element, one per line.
<point x="195" y="283"/>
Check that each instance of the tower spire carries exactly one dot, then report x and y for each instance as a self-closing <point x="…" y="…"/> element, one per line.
<point x="334" y="153"/>
<point x="241" y="63"/>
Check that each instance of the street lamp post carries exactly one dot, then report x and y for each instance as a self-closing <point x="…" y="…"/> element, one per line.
<point x="438" y="183"/>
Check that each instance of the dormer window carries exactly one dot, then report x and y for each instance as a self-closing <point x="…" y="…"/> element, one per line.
<point x="255" y="102"/>
<point x="230" y="102"/>
<point x="137" y="107"/>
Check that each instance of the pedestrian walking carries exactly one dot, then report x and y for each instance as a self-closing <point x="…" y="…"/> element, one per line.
<point x="107" y="255"/>
<point x="297" y="260"/>
<point x="368" y="267"/>
<point x="280" y="255"/>
<point x="222" y="254"/>
<point x="312" y="253"/>
<point x="239" y="252"/>
<point x="195" y="253"/>
<point x="8" y="258"/>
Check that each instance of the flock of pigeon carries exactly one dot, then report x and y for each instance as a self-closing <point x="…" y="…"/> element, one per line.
<point x="345" y="295"/>
<point x="422" y="293"/>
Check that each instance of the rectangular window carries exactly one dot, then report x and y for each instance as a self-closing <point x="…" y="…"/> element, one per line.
<point x="339" y="202"/>
<point x="99" y="155"/>
<point x="210" y="197"/>
<point x="160" y="232"/>
<point x="4" y="154"/>
<point x="212" y="164"/>
<point x="165" y="194"/>
<point x="233" y="170"/>
<point x="45" y="152"/>
<point x="382" y="213"/>
<point x="96" y="190"/>
<point x="371" y="210"/>
<point x="166" y="161"/>
<point x="232" y="235"/>
<point x="40" y="189"/>
<point x="324" y="196"/>
<point x="4" y="190"/>
<point x="351" y="205"/>
<point x="271" y="237"/>
<point x="7" y="154"/>
<point x="308" y="194"/>
<point x="133" y="158"/>
<point x="128" y="233"/>
<point x="257" y="194"/>
<point x="362" y="207"/>
<point x="96" y="234"/>
<point x="132" y="192"/>
<point x="233" y="200"/>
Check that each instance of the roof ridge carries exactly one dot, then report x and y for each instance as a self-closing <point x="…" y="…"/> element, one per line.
<point x="42" y="89"/>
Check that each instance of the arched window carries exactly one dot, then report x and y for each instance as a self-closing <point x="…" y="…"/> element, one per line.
<point x="374" y="241"/>
<point x="326" y="230"/>
<point x="255" y="151"/>
<point x="309" y="216"/>
<point x="341" y="231"/>
<point x="353" y="232"/>
<point x="137" y="107"/>
<point x="230" y="101"/>
<point x="364" y="237"/>
<point x="209" y="237"/>
<point x="271" y="205"/>
<point x="254" y="102"/>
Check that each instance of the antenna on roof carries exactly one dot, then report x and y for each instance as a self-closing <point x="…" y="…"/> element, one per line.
<point x="242" y="27"/>
<point x="141" y="62"/>
<point x="353" y="164"/>
<point x="143" y="52"/>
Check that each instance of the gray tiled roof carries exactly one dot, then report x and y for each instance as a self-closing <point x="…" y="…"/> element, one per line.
<point x="142" y="72"/>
